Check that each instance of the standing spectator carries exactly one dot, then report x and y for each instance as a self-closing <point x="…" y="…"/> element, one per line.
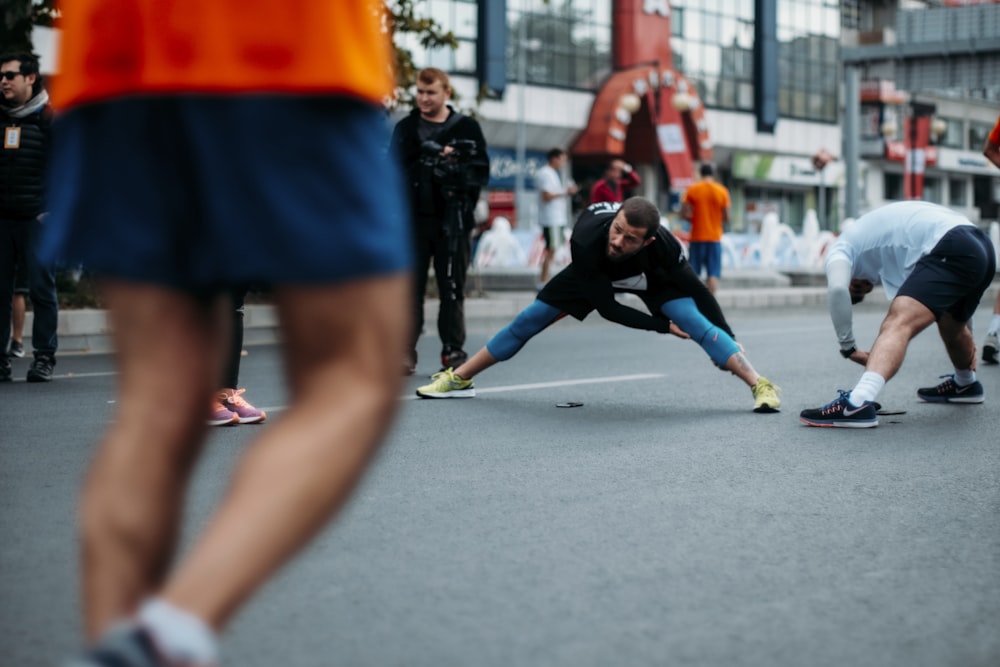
<point x="228" y="405"/>
<point x="935" y="265"/>
<point x="262" y="161"/>
<point x="617" y="185"/>
<point x="991" y="346"/>
<point x="706" y="206"/>
<point x="26" y="118"/>
<point x="553" y="211"/>
<point x="18" y="310"/>
<point x="436" y="238"/>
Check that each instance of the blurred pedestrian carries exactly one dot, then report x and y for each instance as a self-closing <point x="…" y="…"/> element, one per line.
<point x="706" y="206"/>
<point x="26" y="118"/>
<point x="553" y="209"/>
<point x="618" y="184"/>
<point x="991" y="346"/>
<point x="197" y="151"/>
<point x="228" y="405"/>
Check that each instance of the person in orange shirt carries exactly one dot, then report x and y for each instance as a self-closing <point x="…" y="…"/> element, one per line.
<point x="706" y="206"/>
<point x="200" y="147"/>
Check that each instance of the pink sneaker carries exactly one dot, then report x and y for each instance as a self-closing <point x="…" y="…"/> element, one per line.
<point x="232" y="400"/>
<point x="220" y="415"/>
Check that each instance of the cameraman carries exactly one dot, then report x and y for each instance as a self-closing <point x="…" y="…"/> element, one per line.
<point x="434" y="233"/>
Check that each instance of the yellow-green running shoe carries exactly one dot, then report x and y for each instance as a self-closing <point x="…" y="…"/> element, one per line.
<point x="765" y="396"/>
<point x="447" y="385"/>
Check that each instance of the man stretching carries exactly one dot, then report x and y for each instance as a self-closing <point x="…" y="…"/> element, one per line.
<point x="935" y="266"/>
<point x="619" y="248"/>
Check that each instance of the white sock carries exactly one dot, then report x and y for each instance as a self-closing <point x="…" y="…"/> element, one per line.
<point x="867" y="388"/>
<point x="994" y="324"/>
<point x="964" y="378"/>
<point x="181" y="635"/>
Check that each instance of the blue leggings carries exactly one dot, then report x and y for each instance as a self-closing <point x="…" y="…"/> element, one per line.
<point x="536" y="317"/>
<point x="716" y="342"/>
<point x="529" y="322"/>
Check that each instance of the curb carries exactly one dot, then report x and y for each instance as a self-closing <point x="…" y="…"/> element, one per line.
<point x="87" y="330"/>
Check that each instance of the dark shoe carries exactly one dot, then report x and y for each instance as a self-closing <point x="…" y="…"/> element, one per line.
<point x="840" y="413"/>
<point x="16" y="349"/>
<point x="5" y="372"/>
<point x="991" y="349"/>
<point x="949" y="392"/>
<point x="41" y="369"/>
<point x="410" y="363"/>
<point x="452" y="358"/>
<point x="125" y="647"/>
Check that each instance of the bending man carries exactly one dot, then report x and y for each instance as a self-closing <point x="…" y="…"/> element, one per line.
<point x="619" y="248"/>
<point x="935" y="265"/>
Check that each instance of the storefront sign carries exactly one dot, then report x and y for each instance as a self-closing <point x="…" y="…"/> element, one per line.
<point x="503" y="168"/>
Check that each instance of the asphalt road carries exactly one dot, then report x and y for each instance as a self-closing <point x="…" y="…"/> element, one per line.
<point x="661" y="523"/>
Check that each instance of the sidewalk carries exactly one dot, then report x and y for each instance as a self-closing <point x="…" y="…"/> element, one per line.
<point x="496" y="297"/>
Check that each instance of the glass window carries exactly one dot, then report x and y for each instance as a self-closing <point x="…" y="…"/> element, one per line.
<point x="957" y="192"/>
<point x="977" y="135"/>
<point x="932" y="189"/>
<point x="892" y="186"/>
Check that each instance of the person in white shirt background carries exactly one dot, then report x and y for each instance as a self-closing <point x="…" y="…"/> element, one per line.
<point x="553" y="210"/>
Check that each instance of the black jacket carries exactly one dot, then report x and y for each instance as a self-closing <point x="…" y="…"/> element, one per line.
<point x="428" y="203"/>
<point x="22" y="169"/>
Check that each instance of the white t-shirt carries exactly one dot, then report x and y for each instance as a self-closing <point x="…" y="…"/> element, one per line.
<point x="552" y="213"/>
<point x="883" y="246"/>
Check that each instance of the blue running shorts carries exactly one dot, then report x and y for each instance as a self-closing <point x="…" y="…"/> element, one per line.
<point x="706" y="255"/>
<point x="199" y="192"/>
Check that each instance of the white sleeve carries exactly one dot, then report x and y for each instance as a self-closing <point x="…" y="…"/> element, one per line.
<point x="838" y="283"/>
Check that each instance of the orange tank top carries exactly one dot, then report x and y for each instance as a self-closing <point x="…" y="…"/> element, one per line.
<point x="112" y="48"/>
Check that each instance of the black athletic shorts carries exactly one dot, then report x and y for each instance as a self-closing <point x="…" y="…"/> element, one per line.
<point x="953" y="276"/>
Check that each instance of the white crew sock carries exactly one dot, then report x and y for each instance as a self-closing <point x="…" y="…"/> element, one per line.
<point x="994" y="324"/>
<point x="964" y="378"/>
<point x="182" y="636"/>
<point x="867" y="388"/>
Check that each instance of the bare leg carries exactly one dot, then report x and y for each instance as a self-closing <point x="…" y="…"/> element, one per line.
<point x="713" y="284"/>
<point x="740" y="366"/>
<point x="547" y="256"/>
<point x="475" y="364"/>
<point x="907" y="317"/>
<point x="167" y="344"/>
<point x="300" y="471"/>
<point x="17" y="310"/>
<point x="958" y="342"/>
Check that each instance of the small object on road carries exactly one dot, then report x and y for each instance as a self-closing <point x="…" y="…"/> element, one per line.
<point x="569" y="404"/>
<point x="885" y="412"/>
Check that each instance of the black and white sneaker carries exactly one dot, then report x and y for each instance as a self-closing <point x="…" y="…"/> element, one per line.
<point x="839" y="413"/>
<point x="5" y="370"/>
<point x="991" y="348"/>
<point x="15" y="349"/>
<point x="122" y="647"/>
<point x="949" y="392"/>
<point x="41" y="368"/>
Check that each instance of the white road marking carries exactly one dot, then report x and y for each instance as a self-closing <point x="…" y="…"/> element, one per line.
<point x="533" y="385"/>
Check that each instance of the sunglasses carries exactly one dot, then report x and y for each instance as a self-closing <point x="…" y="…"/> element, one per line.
<point x="10" y="75"/>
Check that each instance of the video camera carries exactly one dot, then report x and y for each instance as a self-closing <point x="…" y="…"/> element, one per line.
<point x="462" y="171"/>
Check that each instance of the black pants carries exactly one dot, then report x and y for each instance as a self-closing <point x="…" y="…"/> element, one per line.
<point x="432" y="244"/>
<point x="18" y="244"/>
